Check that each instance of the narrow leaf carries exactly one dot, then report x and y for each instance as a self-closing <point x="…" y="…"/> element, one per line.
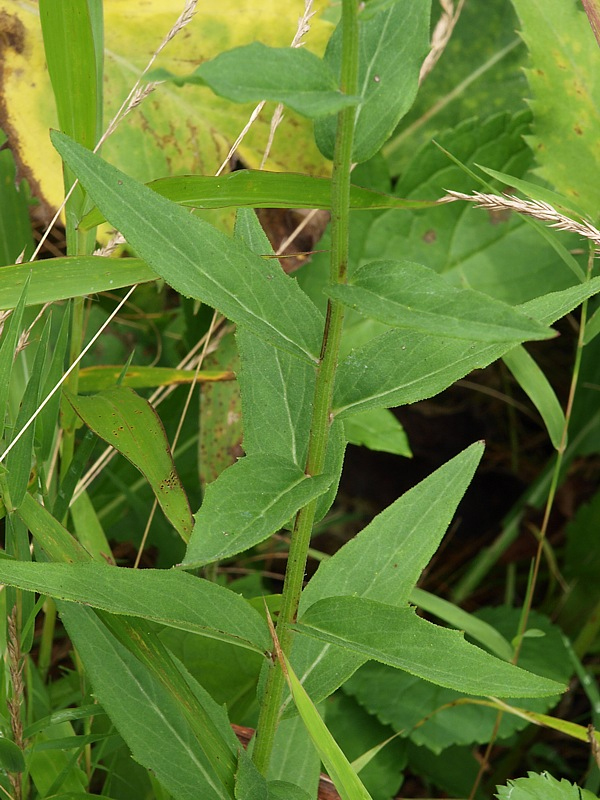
<point x="537" y="387"/>
<point x="53" y="539"/>
<point x="266" y="493"/>
<point x="69" y="277"/>
<point x="93" y="379"/>
<point x="168" y="597"/>
<point x="408" y="295"/>
<point x="261" y="189"/>
<point x="401" y="639"/>
<point x="339" y="768"/>
<point x="197" y="260"/>
<point x="8" y="346"/>
<point x="392" y="47"/>
<point x="129" y="423"/>
<point x="290" y="75"/>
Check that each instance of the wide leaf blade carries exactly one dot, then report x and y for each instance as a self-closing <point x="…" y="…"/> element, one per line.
<point x="248" y="502"/>
<point x="407" y="295"/>
<point x="197" y="260"/>
<point x="129" y="423"/>
<point x="167" y="597"/>
<point x="401" y="639"/>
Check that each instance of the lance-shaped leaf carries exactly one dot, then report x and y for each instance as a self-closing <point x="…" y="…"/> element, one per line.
<point x="392" y="46"/>
<point x="261" y="189"/>
<point x="401" y="639"/>
<point x="168" y="597"/>
<point x="70" y="277"/>
<point x="408" y="295"/>
<point x="383" y="562"/>
<point x="402" y="367"/>
<point x="93" y="379"/>
<point x="129" y="423"/>
<point x="290" y="75"/>
<point x="197" y="260"/>
<point x="248" y="502"/>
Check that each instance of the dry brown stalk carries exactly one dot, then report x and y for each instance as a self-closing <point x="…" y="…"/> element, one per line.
<point x="16" y="662"/>
<point x="531" y="208"/>
<point x="441" y="35"/>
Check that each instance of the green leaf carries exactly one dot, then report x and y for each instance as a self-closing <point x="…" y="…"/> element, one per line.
<point x="93" y="379"/>
<point x="407" y="295"/>
<point x="392" y="47"/>
<point x="129" y="424"/>
<point x="70" y="277"/>
<point x="247" y="503"/>
<point x="199" y="261"/>
<point x="402" y="367"/>
<point x="377" y="429"/>
<point x="15" y="227"/>
<point x="563" y="78"/>
<point x="339" y="768"/>
<point x="11" y="756"/>
<point x="261" y="189"/>
<point x="88" y="529"/>
<point x="537" y="387"/>
<point x="8" y="345"/>
<point x="53" y="539"/>
<point x="294" y="757"/>
<point x="168" y="597"/>
<point x="46" y="422"/>
<point x="18" y="461"/>
<point x="282" y="790"/>
<point x="542" y="787"/>
<point x="290" y="75"/>
<point x="397" y="637"/>
<point x="150" y="718"/>
<point x="383" y="562"/>
<point x="249" y="783"/>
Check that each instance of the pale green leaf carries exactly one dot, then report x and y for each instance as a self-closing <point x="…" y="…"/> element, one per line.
<point x="377" y="429"/>
<point x="537" y="387"/>
<point x="399" y="638"/>
<point x="197" y="260"/>
<point x="261" y="189"/>
<point x="564" y="78"/>
<point x="247" y="503"/>
<point x="54" y="540"/>
<point x="88" y="529"/>
<point x="408" y="295"/>
<point x="70" y="277"/>
<point x="392" y="47"/>
<point x="131" y="426"/>
<point x="168" y="597"/>
<point x="402" y="367"/>
<point x="339" y="768"/>
<point x="542" y="787"/>
<point x="93" y="379"/>
<point x="290" y="75"/>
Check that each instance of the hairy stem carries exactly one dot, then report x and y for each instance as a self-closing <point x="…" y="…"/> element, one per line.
<point x="321" y="418"/>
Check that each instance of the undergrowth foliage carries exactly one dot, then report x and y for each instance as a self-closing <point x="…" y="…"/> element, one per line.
<point x="172" y="664"/>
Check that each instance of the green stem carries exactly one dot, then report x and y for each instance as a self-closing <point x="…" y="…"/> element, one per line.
<point x="321" y="417"/>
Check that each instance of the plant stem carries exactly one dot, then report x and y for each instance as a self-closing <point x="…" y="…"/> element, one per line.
<point x="321" y="417"/>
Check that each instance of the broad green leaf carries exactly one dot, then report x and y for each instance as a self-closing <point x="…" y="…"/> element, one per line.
<point x="249" y="783"/>
<point x="197" y="260"/>
<point x="168" y="597"/>
<point x="408" y="295"/>
<point x="146" y="145"/>
<point x="290" y="75"/>
<point x="69" y="277"/>
<point x="294" y="758"/>
<point x="537" y="387"/>
<point x="282" y="790"/>
<point x="129" y="423"/>
<point x="94" y="379"/>
<point x="11" y="756"/>
<point x="498" y="253"/>
<point x="18" y="461"/>
<point x="54" y="771"/>
<point x="151" y="719"/>
<point x="399" y="638"/>
<point x="563" y="77"/>
<point x="474" y="627"/>
<point x="339" y="768"/>
<point x="402" y="367"/>
<point x="392" y="47"/>
<point x="383" y="562"/>
<point x="542" y="787"/>
<point x="11" y="331"/>
<point x="247" y="503"/>
<point x="261" y="189"/>
<point x="377" y="429"/>
<point x="432" y="714"/>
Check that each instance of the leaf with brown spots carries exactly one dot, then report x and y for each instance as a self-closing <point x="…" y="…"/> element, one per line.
<point x="130" y="424"/>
